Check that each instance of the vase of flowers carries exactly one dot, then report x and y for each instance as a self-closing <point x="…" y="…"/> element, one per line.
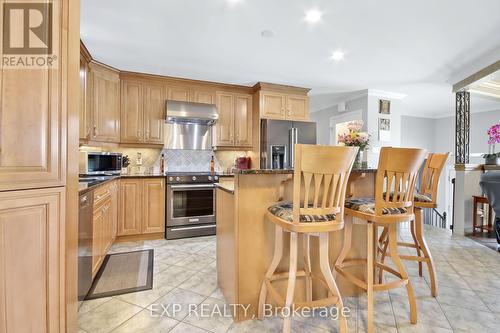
<point x="355" y="138"/>
<point x="493" y="137"/>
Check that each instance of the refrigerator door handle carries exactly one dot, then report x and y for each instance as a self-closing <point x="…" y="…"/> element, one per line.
<point x="293" y="136"/>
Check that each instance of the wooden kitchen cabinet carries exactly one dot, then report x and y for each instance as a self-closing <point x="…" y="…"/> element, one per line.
<point x="243" y="120"/>
<point x="104" y="103"/>
<point x="142" y="206"/>
<point x="85" y="119"/>
<point x="132" y="112"/>
<point x="154" y="206"/>
<point x="142" y="112"/>
<point x="129" y="217"/>
<point x="297" y="107"/>
<point x="204" y="96"/>
<point x="180" y="94"/>
<point x="224" y="127"/>
<point x="234" y="126"/>
<point x="283" y="102"/>
<point x="154" y="112"/>
<point x="32" y="259"/>
<point x="273" y="105"/>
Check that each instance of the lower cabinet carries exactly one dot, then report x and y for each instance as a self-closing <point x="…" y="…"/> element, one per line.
<point x="32" y="260"/>
<point x="142" y="206"/>
<point x="104" y="222"/>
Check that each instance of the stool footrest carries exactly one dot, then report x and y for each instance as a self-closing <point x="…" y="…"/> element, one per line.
<point x="284" y="275"/>
<point x="415" y="258"/>
<point x="407" y="245"/>
<point x="277" y="298"/>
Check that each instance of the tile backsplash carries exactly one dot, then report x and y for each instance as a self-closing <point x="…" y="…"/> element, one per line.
<point x="176" y="160"/>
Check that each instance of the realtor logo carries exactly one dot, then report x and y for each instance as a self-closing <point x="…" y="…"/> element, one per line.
<point x="27" y="35"/>
<point x="27" y="28"/>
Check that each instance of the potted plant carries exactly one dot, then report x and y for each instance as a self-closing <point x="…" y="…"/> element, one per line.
<point x="493" y="137"/>
<point x="356" y="138"/>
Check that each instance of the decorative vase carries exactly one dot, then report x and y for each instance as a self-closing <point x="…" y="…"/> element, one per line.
<point x="491" y="158"/>
<point x="358" y="161"/>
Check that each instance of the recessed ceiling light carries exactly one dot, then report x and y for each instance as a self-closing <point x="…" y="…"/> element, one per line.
<point x="337" y="55"/>
<point x="313" y="16"/>
<point x="267" y="33"/>
<point x="233" y="1"/>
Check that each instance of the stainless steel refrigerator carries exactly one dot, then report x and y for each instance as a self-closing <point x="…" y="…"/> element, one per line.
<point x="277" y="139"/>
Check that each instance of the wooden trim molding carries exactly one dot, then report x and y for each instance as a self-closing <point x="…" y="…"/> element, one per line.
<point x="280" y="88"/>
<point x="84" y="52"/>
<point x="465" y="83"/>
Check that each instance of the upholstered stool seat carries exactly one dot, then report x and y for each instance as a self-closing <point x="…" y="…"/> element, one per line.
<point x="420" y="197"/>
<point x="284" y="210"/>
<point x="367" y="205"/>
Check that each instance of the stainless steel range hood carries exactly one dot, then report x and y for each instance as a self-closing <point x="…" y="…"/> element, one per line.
<point x="189" y="125"/>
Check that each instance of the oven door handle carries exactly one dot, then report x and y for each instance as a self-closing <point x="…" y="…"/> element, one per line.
<point x="192" y="186"/>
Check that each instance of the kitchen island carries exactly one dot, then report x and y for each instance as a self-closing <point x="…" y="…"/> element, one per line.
<point x="245" y="238"/>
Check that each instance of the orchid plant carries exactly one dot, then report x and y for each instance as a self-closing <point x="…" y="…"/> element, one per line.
<point x="493" y="137"/>
<point x="355" y="137"/>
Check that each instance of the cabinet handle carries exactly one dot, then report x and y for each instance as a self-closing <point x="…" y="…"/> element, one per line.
<point x="147" y="134"/>
<point x="138" y="132"/>
<point x="95" y="131"/>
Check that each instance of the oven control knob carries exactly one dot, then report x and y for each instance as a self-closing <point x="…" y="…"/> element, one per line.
<point x="194" y="177"/>
<point x="216" y="178"/>
<point x="209" y="177"/>
<point x="171" y="179"/>
<point x="177" y="179"/>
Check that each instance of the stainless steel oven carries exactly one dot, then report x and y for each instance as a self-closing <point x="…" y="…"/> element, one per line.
<point x="190" y="205"/>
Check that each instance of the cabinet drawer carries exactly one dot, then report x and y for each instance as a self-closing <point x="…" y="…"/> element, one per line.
<point x="101" y="194"/>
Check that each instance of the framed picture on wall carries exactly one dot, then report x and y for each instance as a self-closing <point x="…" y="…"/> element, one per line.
<point x="384" y="106"/>
<point x="384" y="129"/>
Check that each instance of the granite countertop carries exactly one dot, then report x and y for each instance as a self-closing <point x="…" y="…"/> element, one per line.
<point x="289" y="171"/>
<point x="226" y="186"/>
<point x="96" y="181"/>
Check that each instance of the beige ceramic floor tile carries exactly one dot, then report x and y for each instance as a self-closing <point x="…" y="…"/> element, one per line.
<point x="107" y="317"/>
<point x="147" y="322"/>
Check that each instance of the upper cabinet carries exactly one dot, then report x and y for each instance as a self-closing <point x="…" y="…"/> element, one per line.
<point x="191" y="94"/>
<point x="283" y="102"/>
<point x="104" y="103"/>
<point x="84" y="112"/>
<point x="131" y="109"/>
<point x="234" y="126"/>
<point x="142" y="112"/>
<point x="154" y="113"/>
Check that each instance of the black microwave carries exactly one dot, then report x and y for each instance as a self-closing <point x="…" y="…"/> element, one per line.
<point x="99" y="163"/>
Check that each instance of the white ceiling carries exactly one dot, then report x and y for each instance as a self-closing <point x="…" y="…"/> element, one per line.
<point x="418" y="48"/>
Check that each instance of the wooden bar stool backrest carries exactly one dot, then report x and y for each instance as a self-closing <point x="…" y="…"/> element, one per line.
<point x="320" y="180"/>
<point x="396" y="177"/>
<point x="430" y="174"/>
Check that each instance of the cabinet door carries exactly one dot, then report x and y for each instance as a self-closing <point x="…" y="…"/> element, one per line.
<point x="181" y="94"/>
<point x="97" y="238"/>
<point x="273" y="105"/>
<point x="84" y="114"/>
<point x="297" y="107"/>
<point x="130" y="214"/>
<point x="105" y="104"/>
<point x="32" y="115"/>
<point x="243" y="120"/>
<point x="132" y="112"/>
<point x="32" y="260"/>
<point x="114" y="209"/>
<point x="154" y="206"/>
<point x="225" y="124"/>
<point x="204" y="96"/>
<point x="108" y="228"/>
<point x="154" y="113"/>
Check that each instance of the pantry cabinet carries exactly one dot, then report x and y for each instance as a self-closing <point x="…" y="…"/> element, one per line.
<point x="104" y="103"/>
<point x="142" y="206"/>
<point x="234" y="126"/>
<point x="142" y="112"/>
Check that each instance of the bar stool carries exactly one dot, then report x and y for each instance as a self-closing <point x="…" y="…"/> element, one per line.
<point x="319" y="185"/>
<point x="397" y="173"/>
<point x="426" y="197"/>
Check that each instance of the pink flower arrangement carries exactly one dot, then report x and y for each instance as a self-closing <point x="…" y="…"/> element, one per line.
<point x="494" y="134"/>
<point x="355" y="137"/>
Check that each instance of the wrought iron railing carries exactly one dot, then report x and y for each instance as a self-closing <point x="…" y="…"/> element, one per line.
<point x="434" y="218"/>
